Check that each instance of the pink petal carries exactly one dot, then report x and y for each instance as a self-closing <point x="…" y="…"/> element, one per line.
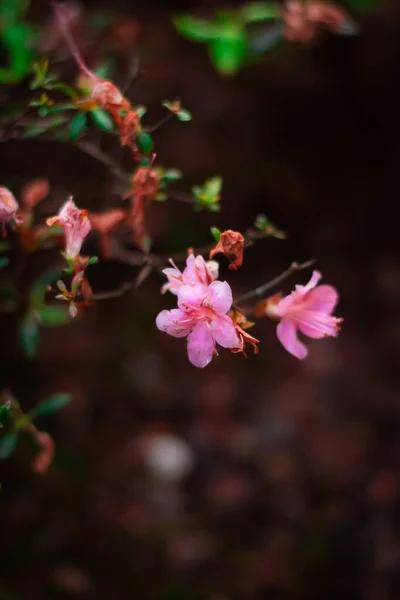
<point x="174" y="277"/>
<point x="322" y="299"/>
<point x="287" y="335"/>
<point x="213" y="269"/>
<point x="220" y="297"/>
<point x="200" y="345"/>
<point x="286" y="303"/>
<point x="175" y="322"/>
<point x="191" y="296"/>
<point x="202" y="271"/>
<point x="224" y="332"/>
<point x="316" y="324"/>
<point x="190" y="276"/>
<point x="315" y="277"/>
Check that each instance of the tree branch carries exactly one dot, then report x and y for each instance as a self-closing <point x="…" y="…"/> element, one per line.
<point x="114" y="168"/>
<point x="260" y="291"/>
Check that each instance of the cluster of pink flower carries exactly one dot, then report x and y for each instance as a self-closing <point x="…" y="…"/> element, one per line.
<point x="203" y="304"/>
<point x="203" y="301"/>
<point x="201" y="314"/>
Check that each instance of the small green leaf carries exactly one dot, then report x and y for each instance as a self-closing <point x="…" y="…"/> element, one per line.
<point x="208" y="195"/>
<point x="93" y="260"/>
<point x="39" y="289"/>
<point x="144" y="142"/>
<point x="140" y="110"/>
<point x="102" y="119"/>
<point x="184" y="115"/>
<point x="216" y="233"/>
<point x="52" y="404"/>
<point x="228" y="52"/>
<point x="29" y="334"/>
<point x="51" y="316"/>
<point x="77" y="125"/>
<point x="256" y="12"/>
<point x="196" y="30"/>
<point x="9" y="298"/>
<point x="8" y="444"/>
<point x="4" y="412"/>
<point x="171" y="175"/>
<point x="4" y="262"/>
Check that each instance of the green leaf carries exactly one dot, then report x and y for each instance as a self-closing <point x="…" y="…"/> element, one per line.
<point x="228" y="52"/>
<point x="171" y="175"/>
<point x="213" y="185"/>
<point x="216" y="233"/>
<point x="144" y="142"/>
<point x="8" y="444"/>
<point x="11" y="11"/>
<point x="52" y="404"/>
<point x="208" y="195"/>
<point x="9" y="298"/>
<point x="29" y="334"/>
<point x="4" y="412"/>
<point x="93" y="260"/>
<point x="39" y="289"/>
<point x="140" y="110"/>
<point x="256" y="12"/>
<point x="60" y="108"/>
<point x="184" y="115"/>
<point x="196" y="30"/>
<point x="4" y="262"/>
<point x="18" y="40"/>
<point x="51" y="316"/>
<point x="77" y="125"/>
<point x="102" y="119"/>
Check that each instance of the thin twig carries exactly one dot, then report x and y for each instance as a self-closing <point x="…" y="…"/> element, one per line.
<point x="114" y="168"/>
<point x="159" y="123"/>
<point x="260" y="291"/>
<point x="117" y="293"/>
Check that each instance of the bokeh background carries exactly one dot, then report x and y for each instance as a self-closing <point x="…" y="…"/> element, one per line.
<point x="253" y="479"/>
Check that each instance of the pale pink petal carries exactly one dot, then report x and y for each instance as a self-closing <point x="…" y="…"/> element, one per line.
<point x="315" y="277"/>
<point x="190" y="276"/>
<point x="322" y="299"/>
<point x="316" y="324"/>
<point x="174" y="277"/>
<point x="175" y="322"/>
<point x="285" y="304"/>
<point x="213" y="269"/>
<point x="202" y="271"/>
<point x="224" y="332"/>
<point x="191" y="296"/>
<point x="200" y="345"/>
<point x="287" y="335"/>
<point x="219" y="297"/>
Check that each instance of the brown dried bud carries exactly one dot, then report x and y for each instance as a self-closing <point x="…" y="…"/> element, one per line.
<point x="146" y="182"/>
<point x="34" y="192"/>
<point x="231" y="243"/>
<point x="45" y="457"/>
<point x="304" y="21"/>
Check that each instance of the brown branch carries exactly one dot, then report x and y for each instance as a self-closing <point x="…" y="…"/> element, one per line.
<point x="96" y="153"/>
<point x="152" y="128"/>
<point x="260" y="291"/>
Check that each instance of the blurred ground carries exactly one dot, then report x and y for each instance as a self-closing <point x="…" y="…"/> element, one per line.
<point x="252" y="479"/>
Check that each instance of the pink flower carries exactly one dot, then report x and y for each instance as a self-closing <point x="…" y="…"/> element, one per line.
<point x="197" y="271"/>
<point x="76" y="225"/>
<point x="8" y="206"/>
<point x="201" y="314"/>
<point x="308" y="309"/>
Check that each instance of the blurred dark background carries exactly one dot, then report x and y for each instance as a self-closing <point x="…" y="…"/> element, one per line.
<point x="253" y="479"/>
